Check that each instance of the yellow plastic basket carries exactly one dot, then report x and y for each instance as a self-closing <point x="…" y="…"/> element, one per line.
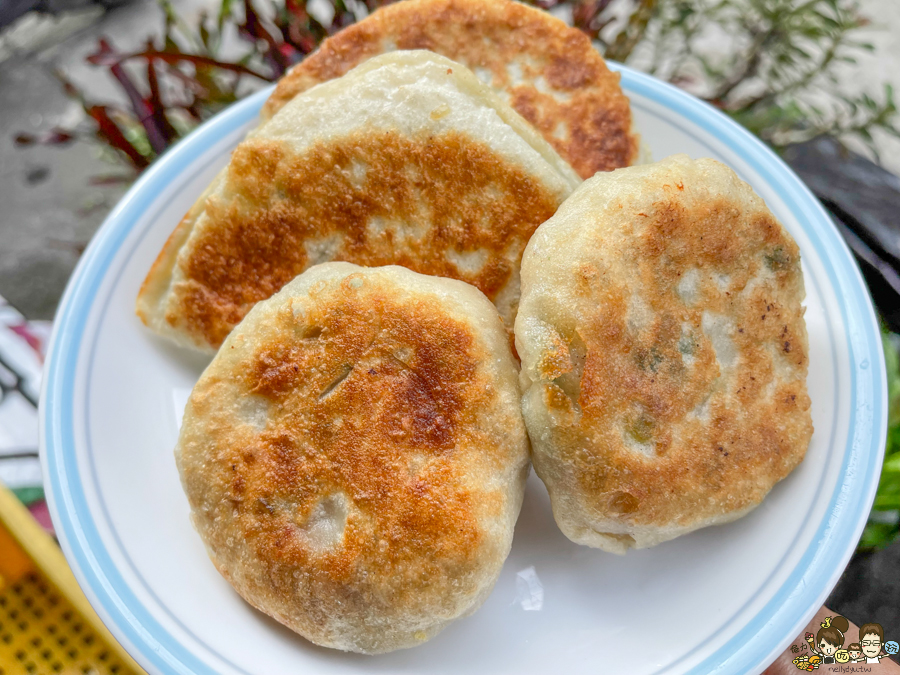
<point x="47" y="625"/>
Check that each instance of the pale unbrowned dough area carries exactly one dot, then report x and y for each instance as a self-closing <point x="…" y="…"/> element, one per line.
<point x="465" y="198"/>
<point x="549" y="72"/>
<point x="728" y="461"/>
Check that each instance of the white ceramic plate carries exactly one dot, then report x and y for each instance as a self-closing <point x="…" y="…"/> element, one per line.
<point x="725" y="599"/>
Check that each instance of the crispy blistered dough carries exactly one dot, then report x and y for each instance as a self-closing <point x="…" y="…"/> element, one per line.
<point x="355" y="455"/>
<point x="548" y="71"/>
<point x="407" y="160"/>
<point x="664" y="353"/>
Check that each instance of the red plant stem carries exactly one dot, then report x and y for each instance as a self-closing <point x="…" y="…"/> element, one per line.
<point x="255" y="29"/>
<point x="114" y="135"/>
<point x="170" y="58"/>
<point x="142" y="110"/>
<point x="157" y="107"/>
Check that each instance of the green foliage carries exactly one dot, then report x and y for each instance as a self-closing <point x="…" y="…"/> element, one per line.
<point x="29" y="495"/>
<point x="770" y="64"/>
<point x="179" y="80"/>
<point x="884" y="522"/>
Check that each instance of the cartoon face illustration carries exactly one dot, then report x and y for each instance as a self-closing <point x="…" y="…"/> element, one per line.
<point x="830" y="637"/>
<point x="891" y="647"/>
<point x="827" y="648"/>
<point x="871" y="645"/>
<point x="855" y="654"/>
<point x="842" y="656"/>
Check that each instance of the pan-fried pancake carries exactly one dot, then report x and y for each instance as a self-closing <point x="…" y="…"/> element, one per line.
<point x="664" y="353"/>
<point x="548" y="71"/>
<point x="355" y="455"/>
<point x="408" y="159"/>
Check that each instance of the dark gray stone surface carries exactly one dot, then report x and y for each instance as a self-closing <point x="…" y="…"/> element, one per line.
<point x="869" y="590"/>
<point x="852" y="185"/>
<point x="48" y="207"/>
<point x="10" y="10"/>
<point x="864" y="202"/>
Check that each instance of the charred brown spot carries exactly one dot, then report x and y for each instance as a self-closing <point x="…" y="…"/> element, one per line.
<point x="599" y="140"/>
<point x="564" y="73"/>
<point x="276" y="370"/>
<point x="623" y="502"/>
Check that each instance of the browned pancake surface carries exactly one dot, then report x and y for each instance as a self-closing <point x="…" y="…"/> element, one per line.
<point x="548" y="71"/>
<point x="673" y="380"/>
<point x="354" y="456"/>
<point x="466" y="198"/>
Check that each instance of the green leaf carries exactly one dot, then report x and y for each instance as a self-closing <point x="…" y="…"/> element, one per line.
<point x="29" y="495"/>
<point x="883" y="526"/>
<point x="225" y="12"/>
<point x="204" y="33"/>
<point x="877" y="535"/>
<point x="892" y="464"/>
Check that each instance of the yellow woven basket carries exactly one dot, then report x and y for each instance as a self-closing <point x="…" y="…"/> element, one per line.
<point x="47" y="625"/>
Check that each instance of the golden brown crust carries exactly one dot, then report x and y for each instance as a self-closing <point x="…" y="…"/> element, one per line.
<point x="255" y="242"/>
<point x="679" y="383"/>
<point x="640" y="378"/>
<point x="155" y="286"/>
<point x="549" y="72"/>
<point x="376" y="409"/>
<point x="391" y="411"/>
<point x="163" y="264"/>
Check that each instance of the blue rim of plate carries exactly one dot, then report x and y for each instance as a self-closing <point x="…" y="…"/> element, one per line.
<point x="769" y="631"/>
